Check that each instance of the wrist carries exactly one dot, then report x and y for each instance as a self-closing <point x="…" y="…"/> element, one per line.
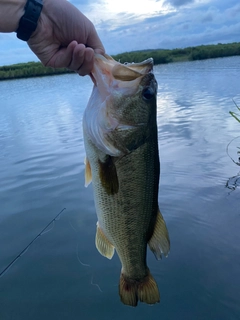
<point x="29" y="21"/>
<point x="52" y="13"/>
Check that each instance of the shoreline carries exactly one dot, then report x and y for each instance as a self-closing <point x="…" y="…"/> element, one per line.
<point x="160" y="56"/>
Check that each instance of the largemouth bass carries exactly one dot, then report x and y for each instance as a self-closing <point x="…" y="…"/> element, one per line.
<point x="122" y="161"/>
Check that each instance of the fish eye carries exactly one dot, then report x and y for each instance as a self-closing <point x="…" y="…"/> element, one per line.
<point x="148" y="93"/>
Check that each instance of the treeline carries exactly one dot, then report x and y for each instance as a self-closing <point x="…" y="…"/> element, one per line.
<point x="27" y="70"/>
<point x="187" y="54"/>
<point x="160" y="56"/>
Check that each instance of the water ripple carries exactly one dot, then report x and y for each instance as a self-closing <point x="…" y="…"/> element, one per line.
<point x="42" y="171"/>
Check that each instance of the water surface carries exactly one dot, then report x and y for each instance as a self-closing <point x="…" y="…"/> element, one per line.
<point x="61" y="275"/>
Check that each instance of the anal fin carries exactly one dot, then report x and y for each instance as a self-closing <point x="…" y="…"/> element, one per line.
<point x="103" y="245"/>
<point x="159" y="242"/>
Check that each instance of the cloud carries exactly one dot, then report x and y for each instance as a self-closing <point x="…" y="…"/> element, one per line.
<point x="178" y="3"/>
<point x="122" y="12"/>
<point x="234" y="11"/>
<point x="208" y="17"/>
<point x="205" y="24"/>
<point x="150" y="24"/>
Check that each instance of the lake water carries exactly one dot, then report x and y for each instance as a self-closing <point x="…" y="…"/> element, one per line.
<point x="61" y="275"/>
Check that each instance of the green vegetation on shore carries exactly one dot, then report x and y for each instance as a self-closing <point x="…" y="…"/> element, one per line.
<point x="160" y="56"/>
<point x="187" y="54"/>
<point x="27" y="70"/>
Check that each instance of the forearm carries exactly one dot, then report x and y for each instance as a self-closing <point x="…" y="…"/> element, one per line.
<point x="10" y="14"/>
<point x="63" y="37"/>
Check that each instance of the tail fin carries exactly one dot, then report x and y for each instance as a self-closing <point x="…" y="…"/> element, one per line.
<point x="145" y="290"/>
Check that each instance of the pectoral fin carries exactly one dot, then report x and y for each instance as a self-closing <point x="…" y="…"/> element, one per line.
<point x="103" y="245"/>
<point x="159" y="242"/>
<point x="88" y="173"/>
<point x="108" y="175"/>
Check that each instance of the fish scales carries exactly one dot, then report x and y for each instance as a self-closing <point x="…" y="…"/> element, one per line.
<point x="125" y="227"/>
<point x="123" y="164"/>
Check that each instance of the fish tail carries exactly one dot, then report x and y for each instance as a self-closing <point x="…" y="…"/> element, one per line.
<point x="145" y="290"/>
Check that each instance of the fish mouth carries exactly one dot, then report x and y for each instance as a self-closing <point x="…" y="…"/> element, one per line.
<point x="109" y="69"/>
<point x="142" y="68"/>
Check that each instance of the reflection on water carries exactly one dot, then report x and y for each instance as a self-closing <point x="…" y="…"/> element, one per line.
<point x="61" y="275"/>
<point x="233" y="182"/>
<point x="233" y="150"/>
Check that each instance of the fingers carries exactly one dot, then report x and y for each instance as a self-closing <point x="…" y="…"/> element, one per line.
<point x="82" y="60"/>
<point x="75" y="57"/>
<point x="62" y="57"/>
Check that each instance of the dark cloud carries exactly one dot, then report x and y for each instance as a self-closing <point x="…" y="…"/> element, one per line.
<point x="234" y="11"/>
<point x="178" y="3"/>
<point x="208" y="18"/>
<point x="185" y="26"/>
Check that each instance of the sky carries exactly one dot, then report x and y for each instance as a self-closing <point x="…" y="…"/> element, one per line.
<point x="128" y="25"/>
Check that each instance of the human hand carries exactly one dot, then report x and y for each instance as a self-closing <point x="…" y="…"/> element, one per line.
<point x="65" y="38"/>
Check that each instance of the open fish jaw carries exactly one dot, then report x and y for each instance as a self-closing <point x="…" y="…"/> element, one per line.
<point x="104" y="113"/>
<point x="110" y="75"/>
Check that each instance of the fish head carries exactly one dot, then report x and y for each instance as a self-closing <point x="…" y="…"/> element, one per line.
<point x="122" y="107"/>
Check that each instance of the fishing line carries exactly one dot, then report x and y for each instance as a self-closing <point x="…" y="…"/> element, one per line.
<point x="95" y="284"/>
<point x="83" y="264"/>
<point x="27" y="247"/>
<point x="72" y="226"/>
